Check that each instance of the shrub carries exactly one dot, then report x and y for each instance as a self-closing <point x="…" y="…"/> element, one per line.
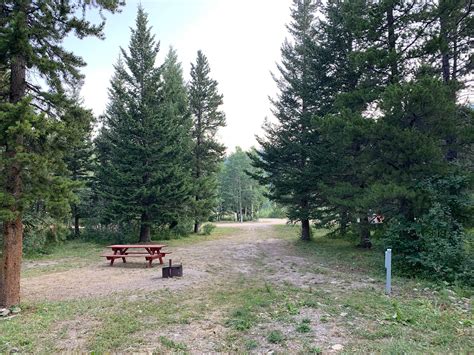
<point x="432" y="246"/>
<point x="40" y="232"/>
<point x="208" y="228"/>
<point x="113" y="234"/>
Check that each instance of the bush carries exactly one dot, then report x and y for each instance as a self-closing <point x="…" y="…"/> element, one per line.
<point x="129" y="232"/>
<point x="111" y="234"/>
<point x="208" y="228"/>
<point x="41" y="232"/>
<point x="432" y="246"/>
<point x="183" y="228"/>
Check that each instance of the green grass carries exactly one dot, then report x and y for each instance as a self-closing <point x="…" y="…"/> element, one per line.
<point x="378" y="323"/>
<point x="251" y="344"/>
<point x="303" y="328"/>
<point x="115" y="322"/>
<point x="275" y="337"/>
<point x="78" y="254"/>
<point x="337" y="253"/>
<point x="170" y="344"/>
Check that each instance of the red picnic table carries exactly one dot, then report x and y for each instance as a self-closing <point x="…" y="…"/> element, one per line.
<point x="152" y="252"/>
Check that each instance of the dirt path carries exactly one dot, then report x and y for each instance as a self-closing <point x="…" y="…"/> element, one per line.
<point x="202" y="262"/>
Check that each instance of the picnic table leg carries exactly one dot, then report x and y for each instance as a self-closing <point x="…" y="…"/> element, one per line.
<point x="160" y="258"/>
<point x="122" y="252"/>
<point x="111" y="261"/>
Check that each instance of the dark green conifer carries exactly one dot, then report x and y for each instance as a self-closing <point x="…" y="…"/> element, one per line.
<point x="144" y="145"/>
<point x="284" y="157"/>
<point x="205" y="102"/>
<point x="33" y="136"/>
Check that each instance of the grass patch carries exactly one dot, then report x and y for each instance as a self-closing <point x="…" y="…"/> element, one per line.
<point x="251" y="344"/>
<point x="275" y="337"/>
<point x="340" y="254"/>
<point x="62" y="257"/>
<point x="170" y="344"/>
<point x="303" y="328"/>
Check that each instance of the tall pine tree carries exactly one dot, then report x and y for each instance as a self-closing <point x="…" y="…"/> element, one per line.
<point x="204" y="103"/>
<point x="175" y="110"/>
<point x="144" y="145"/>
<point x="284" y="157"/>
<point x="33" y="143"/>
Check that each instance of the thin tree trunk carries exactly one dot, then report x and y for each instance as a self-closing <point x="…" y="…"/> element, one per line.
<point x="197" y="227"/>
<point x="343" y="221"/>
<point x="364" y="232"/>
<point x="444" y="45"/>
<point x="392" y="42"/>
<point x="145" y="228"/>
<point x="77" y="232"/>
<point x="454" y="72"/>
<point x="305" y="230"/>
<point x="240" y="201"/>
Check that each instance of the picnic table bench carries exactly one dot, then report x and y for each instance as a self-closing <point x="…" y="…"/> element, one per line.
<point x="121" y="251"/>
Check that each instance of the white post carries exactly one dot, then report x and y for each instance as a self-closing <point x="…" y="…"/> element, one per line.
<point x="388" y="266"/>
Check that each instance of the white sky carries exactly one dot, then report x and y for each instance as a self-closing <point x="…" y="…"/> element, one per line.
<point x="241" y="39"/>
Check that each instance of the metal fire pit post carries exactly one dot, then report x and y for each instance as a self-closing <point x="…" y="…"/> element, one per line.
<point x="172" y="270"/>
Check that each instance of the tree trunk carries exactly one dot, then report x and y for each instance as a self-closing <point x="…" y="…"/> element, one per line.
<point x="77" y="232"/>
<point x="305" y="230"/>
<point x="343" y="221"/>
<point x="444" y="45"/>
<point x="197" y="227"/>
<point x="392" y="42"/>
<point x="10" y="264"/>
<point x="145" y="229"/>
<point x="364" y="232"/>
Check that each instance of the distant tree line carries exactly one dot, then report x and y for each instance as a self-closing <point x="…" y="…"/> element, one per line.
<point x="240" y="196"/>
<point x="371" y="120"/>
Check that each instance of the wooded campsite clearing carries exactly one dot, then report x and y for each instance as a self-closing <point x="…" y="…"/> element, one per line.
<point x="247" y="287"/>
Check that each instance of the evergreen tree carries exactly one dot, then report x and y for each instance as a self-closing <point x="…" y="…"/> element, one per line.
<point x="31" y="38"/>
<point x="175" y="110"/>
<point x="79" y="161"/>
<point x="144" y="145"/>
<point x="204" y="103"/>
<point x="284" y="157"/>
<point x="423" y="195"/>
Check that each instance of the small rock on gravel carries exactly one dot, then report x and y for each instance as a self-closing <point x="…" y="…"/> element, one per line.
<point x="337" y="347"/>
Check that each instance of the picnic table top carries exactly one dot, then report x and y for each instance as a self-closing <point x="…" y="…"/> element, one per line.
<point x="117" y="246"/>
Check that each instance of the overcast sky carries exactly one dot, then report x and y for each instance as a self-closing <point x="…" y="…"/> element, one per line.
<point x="241" y="39"/>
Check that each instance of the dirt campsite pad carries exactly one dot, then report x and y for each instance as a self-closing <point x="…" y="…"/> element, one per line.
<point x="254" y="288"/>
